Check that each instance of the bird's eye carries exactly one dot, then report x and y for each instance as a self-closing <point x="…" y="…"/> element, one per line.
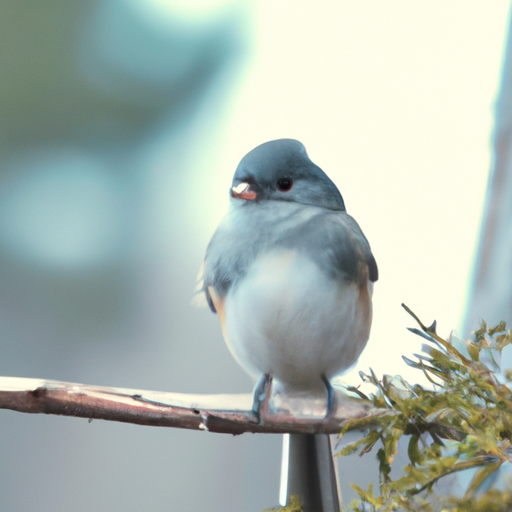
<point x="284" y="184"/>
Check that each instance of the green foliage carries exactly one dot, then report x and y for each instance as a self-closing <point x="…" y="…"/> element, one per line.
<point x="293" y="506"/>
<point x="463" y="421"/>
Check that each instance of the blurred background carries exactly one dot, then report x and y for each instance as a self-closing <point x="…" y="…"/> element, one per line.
<point x="122" y="122"/>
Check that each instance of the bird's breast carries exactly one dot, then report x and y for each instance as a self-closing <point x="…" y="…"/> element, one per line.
<point x="289" y="319"/>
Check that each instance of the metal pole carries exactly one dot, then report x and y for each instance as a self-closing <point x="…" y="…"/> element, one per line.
<point x="310" y="471"/>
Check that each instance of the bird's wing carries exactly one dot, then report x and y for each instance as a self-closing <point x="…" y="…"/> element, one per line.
<point x="336" y="243"/>
<point x="359" y="240"/>
<point x="372" y="268"/>
<point x="202" y="295"/>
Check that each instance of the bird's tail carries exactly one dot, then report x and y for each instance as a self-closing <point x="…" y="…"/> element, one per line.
<point x="310" y="472"/>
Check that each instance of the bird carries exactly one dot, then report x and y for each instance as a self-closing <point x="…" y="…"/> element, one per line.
<point x="289" y="272"/>
<point x="290" y="275"/>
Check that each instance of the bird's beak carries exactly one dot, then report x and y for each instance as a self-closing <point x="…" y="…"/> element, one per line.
<point x="243" y="191"/>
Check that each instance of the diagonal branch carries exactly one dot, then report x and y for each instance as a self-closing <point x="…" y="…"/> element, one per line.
<point x="229" y="414"/>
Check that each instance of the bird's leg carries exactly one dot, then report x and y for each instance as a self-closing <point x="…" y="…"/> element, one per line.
<point x="261" y="394"/>
<point x="330" y="396"/>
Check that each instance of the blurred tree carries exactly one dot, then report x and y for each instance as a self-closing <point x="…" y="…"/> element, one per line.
<point x="103" y="105"/>
<point x="491" y="293"/>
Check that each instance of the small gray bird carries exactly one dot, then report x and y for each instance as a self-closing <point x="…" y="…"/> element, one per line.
<point x="289" y="273"/>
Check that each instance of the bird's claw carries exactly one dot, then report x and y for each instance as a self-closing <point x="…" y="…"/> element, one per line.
<point x="261" y="396"/>
<point x="330" y="397"/>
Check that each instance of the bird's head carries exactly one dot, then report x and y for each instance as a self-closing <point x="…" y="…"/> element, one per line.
<point x="280" y="170"/>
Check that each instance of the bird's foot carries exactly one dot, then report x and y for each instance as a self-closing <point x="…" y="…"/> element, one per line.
<point x="331" y="409"/>
<point x="261" y="396"/>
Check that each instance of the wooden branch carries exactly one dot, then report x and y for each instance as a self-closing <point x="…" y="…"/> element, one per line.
<point x="229" y="414"/>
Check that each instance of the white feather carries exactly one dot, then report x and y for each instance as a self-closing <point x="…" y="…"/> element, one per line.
<point x="287" y="318"/>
